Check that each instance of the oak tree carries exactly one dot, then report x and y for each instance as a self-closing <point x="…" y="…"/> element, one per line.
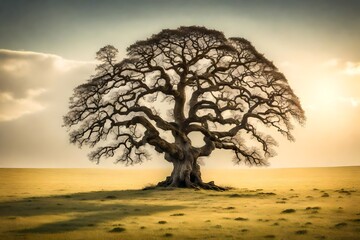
<point x="175" y="83"/>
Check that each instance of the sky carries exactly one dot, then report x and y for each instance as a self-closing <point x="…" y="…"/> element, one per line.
<point x="48" y="47"/>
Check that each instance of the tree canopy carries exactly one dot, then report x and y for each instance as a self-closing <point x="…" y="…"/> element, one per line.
<point x="180" y="81"/>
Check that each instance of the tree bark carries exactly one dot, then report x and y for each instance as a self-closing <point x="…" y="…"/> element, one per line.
<point x="186" y="174"/>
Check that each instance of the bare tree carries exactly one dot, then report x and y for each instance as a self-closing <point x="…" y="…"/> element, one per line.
<point x="221" y="88"/>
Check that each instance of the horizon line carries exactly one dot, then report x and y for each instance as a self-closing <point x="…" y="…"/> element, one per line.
<point x="161" y="168"/>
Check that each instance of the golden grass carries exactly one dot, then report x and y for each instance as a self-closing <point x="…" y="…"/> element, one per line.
<point x="104" y="204"/>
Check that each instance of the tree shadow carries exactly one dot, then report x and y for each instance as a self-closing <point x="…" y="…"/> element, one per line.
<point x="84" y="210"/>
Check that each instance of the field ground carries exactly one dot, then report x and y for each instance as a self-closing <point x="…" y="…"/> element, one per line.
<point x="316" y="203"/>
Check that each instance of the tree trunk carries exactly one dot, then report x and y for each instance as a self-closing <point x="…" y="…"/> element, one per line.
<point x="186" y="174"/>
<point x="186" y="171"/>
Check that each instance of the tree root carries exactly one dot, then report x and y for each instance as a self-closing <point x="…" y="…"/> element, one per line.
<point x="212" y="186"/>
<point x="169" y="183"/>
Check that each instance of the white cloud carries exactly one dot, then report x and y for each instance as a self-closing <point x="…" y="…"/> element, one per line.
<point x="350" y="100"/>
<point x="12" y="108"/>
<point x="352" y="68"/>
<point x="343" y="67"/>
<point x="25" y="77"/>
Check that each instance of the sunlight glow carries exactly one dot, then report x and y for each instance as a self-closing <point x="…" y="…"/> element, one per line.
<point x="352" y="68"/>
<point x="65" y="65"/>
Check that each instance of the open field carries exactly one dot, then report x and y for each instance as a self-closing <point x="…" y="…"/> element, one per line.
<point x="314" y="203"/>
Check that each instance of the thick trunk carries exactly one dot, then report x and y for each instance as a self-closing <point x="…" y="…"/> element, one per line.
<point x="186" y="171"/>
<point x="186" y="174"/>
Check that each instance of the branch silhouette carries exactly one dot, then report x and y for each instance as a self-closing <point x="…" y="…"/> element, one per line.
<point x="222" y="88"/>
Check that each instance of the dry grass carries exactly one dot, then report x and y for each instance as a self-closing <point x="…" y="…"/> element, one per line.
<point x="28" y="212"/>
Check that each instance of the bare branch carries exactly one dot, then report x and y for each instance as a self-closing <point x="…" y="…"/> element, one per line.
<point x="209" y="84"/>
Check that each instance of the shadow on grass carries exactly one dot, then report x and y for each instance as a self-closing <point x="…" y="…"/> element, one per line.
<point x="84" y="210"/>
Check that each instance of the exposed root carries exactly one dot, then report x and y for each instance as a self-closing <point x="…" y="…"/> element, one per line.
<point x="197" y="185"/>
<point x="212" y="186"/>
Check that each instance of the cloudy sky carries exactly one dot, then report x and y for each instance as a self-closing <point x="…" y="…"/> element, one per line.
<point x="48" y="47"/>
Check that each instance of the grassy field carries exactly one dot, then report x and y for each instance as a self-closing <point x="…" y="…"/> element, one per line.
<point x="314" y="203"/>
